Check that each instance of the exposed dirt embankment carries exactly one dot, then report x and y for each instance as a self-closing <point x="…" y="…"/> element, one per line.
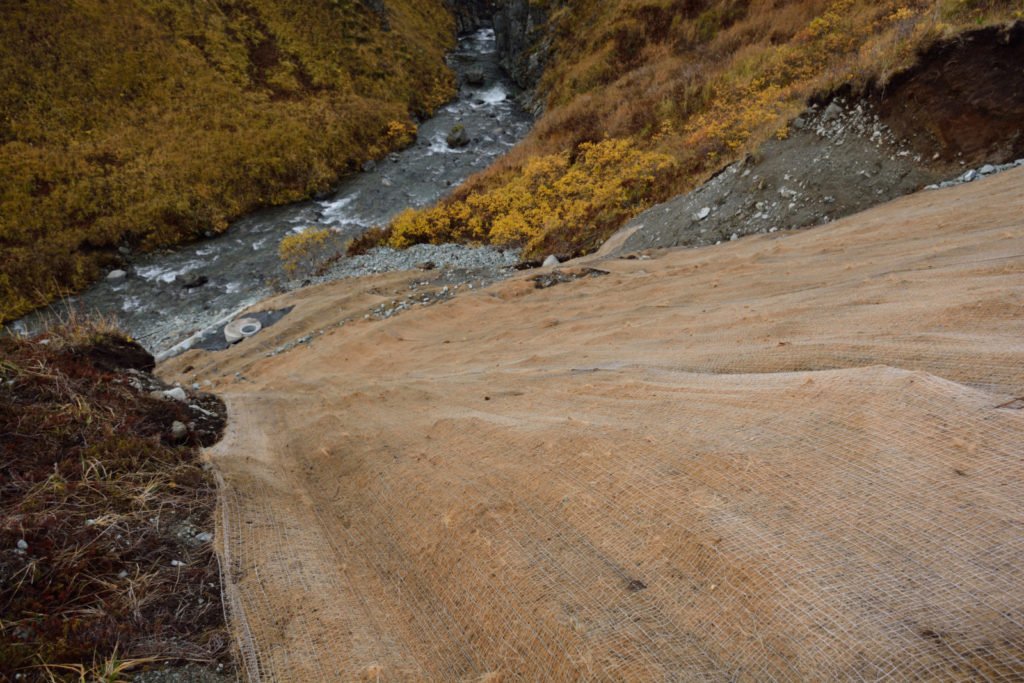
<point x="792" y="457"/>
<point x="965" y="100"/>
<point x="961" y="107"/>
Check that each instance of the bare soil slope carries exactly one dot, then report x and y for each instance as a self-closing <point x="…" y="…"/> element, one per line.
<point x="790" y="457"/>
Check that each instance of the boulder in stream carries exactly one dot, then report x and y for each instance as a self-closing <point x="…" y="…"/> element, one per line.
<point x="195" y="281"/>
<point x="458" y="137"/>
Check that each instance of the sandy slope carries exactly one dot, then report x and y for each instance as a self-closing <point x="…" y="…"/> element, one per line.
<point x="782" y="458"/>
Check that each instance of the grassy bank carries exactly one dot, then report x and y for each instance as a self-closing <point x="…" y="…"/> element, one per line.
<point x="146" y="123"/>
<point x="646" y="98"/>
<point x="104" y="564"/>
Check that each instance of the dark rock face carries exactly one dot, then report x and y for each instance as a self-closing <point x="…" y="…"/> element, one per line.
<point x="963" y="100"/>
<point x="522" y="43"/>
<point x="519" y="29"/>
<point x="471" y="15"/>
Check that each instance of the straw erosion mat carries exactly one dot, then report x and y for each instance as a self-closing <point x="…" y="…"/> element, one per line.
<point x="791" y="457"/>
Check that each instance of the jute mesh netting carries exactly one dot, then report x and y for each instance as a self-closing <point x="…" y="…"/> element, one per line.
<point x="792" y="458"/>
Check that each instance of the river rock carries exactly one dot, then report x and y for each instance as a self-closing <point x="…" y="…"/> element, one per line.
<point x="550" y="261"/>
<point x="475" y="76"/>
<point x="178" y="431"/>
<point x="458" y="137"/>
<point x="832" y="112"/>
<point x="195" y="281"/>
<point x="115" y="275"/>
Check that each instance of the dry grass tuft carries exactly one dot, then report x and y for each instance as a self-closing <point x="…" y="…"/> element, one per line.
<point x="101" y="571"/>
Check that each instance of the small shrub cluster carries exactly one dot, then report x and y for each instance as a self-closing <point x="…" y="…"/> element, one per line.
<point x="702" y="82"/>
<point x="554" y="199"/>
<point x="398" y="134"/>
<point x="95" y="573"/>
<point x="309" y="251"/>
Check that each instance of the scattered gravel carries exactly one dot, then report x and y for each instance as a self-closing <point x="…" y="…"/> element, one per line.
<point x="453" y="256"/>
<point x="834" y="162"/>
<point x="189" y="673"/>
<point x="442" y="284"/>
<point x="557" y="277"/>
<point x="973" y="174"/>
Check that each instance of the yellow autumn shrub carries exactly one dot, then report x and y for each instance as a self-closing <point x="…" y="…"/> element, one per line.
<point x="553" y="197"/>
<point x="306" y="252"/>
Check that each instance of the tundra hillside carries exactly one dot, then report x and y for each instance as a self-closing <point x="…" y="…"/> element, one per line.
<point x="645" y="98"/>
<point x="106" y="511"/>
<point x="146" y="123"/>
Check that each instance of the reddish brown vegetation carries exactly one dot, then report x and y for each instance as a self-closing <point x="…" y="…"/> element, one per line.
<point x="96" y="503"/>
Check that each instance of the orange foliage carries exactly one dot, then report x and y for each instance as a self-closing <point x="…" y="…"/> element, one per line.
<point x="701" y="81"/>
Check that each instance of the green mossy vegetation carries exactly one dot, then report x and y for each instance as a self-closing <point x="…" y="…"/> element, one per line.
<point x="147" y="123"/>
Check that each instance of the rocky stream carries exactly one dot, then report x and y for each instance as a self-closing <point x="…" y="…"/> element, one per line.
<point x="166" y="297"/>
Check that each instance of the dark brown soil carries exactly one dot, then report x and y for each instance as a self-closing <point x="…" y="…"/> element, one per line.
<point x="964" y="100"/>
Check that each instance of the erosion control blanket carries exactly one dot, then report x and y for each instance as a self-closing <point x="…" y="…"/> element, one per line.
<point x="791" y="457"/>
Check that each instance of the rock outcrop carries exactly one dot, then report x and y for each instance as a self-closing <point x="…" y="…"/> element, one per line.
<point x="471" y="15"/>
<point x="519" y="29"/>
